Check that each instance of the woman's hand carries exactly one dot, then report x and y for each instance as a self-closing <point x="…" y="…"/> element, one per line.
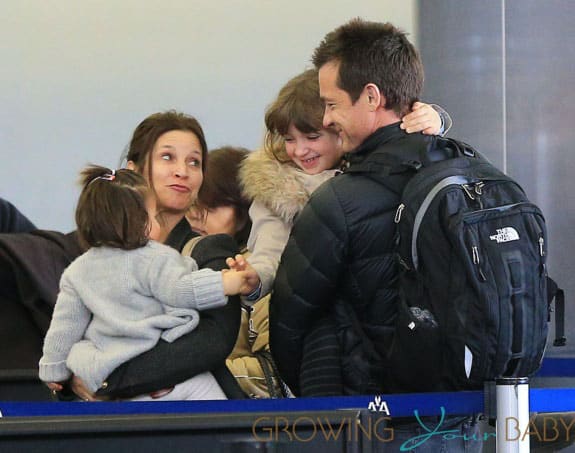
<point x="55" y="386"/>
<point x="250" y="279"/>
<point x="423" y="118"/>
<point x="80" y="389"/>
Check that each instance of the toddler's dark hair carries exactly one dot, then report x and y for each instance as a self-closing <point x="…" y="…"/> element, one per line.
<point x="112" y="210"/>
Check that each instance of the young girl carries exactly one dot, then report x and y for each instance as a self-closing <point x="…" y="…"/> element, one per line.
<point x="127" y="291"/>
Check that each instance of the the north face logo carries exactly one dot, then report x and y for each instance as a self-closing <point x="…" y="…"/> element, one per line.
<point x="506" y="234"/>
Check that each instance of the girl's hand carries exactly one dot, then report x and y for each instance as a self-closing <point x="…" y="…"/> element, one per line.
<point x="251" y="280"/>
<point x="423" y="118"/>
<point x="242" y="282"/>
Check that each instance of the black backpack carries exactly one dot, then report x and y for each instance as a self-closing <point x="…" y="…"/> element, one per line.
<point x="473" y="280"/>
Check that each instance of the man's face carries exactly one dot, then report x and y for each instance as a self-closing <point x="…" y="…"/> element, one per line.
<point x="353" y="122"/>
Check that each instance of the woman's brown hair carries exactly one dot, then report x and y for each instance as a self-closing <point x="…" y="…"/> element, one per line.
<point x="297" y="103"/>
<point x="111" y="209"/>
<point x="152" y="128"/>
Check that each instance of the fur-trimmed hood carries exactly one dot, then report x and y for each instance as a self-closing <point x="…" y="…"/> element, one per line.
<point x="281" y="187"/>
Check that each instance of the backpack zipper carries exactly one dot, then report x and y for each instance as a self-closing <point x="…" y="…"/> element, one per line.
<point x="400" y="209"/>
<point x="475" y="254"/>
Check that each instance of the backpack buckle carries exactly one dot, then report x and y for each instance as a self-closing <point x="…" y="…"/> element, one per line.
<point x="412" y="164"/>
<point x="469" y="152"/>
<point x="469" y="190"/>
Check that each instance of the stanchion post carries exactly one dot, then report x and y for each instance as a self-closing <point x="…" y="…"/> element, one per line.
<point x="512" y="396"/>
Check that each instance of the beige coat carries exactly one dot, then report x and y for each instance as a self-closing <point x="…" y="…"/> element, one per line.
<point x="279" y="192"/>
<point x="253" y="337"/>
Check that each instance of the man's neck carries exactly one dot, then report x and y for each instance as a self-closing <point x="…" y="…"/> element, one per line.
<point x="385" y="118"/>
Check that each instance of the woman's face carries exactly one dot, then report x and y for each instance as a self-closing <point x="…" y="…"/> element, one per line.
<point x="313" y="152"/>
<point x="176" y="170"/>
<point x="213" y="221"/>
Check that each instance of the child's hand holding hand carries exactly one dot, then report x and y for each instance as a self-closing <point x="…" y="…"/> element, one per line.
<point x="237" y="263"/>
<point x="423" y="118"/>
<point x="242" y="282"/>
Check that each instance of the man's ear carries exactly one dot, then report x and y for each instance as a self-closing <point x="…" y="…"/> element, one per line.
<point x="130" y="165"/>
<point x="374" y="97"/>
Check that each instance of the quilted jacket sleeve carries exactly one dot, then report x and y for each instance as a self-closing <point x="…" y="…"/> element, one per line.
<point x="311" y="264"/>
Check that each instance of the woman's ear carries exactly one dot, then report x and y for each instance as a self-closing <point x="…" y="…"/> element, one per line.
<point x="130" y="165"/>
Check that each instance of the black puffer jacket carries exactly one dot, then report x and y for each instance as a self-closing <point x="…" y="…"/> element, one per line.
<point x="340" y="262"/>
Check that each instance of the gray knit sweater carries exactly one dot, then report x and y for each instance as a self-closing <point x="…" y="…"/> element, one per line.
<point x="115" y="304"/>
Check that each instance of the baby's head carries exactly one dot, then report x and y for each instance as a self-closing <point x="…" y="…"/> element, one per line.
<point x="115" y="209"/>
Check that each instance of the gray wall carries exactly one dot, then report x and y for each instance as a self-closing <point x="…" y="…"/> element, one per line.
<point x="505" y="70"/>
<point x="78" y="76"/>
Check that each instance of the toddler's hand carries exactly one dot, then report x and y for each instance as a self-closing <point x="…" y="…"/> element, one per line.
<point x="237" y="263"/>
<point x="240" y="282"/>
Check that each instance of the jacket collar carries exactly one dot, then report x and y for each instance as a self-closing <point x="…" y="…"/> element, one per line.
<point x="390" y="156"/>
<point x="280" y="186"/>
<point x="380" y="137"/>
<point x="393" y="148"/>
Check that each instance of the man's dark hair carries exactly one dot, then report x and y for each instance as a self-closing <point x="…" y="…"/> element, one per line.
<point x="374" y="52"/>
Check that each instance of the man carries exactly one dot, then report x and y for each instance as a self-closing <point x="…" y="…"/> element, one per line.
<point x="339" y="267"/>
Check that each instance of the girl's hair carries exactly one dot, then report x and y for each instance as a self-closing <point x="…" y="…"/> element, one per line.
<point x="112" y="210"/>
<point x="149" y="131"/>
<point x="298" y="103"/>
<point x="221" y="187"/>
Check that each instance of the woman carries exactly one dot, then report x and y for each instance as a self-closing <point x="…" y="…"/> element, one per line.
<point x="169" y="149"/>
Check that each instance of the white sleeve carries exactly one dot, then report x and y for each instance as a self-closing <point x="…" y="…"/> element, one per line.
<point x="176" y="281"/>
<point x="69" y="322"/>
<point x="446" y="121"/>
<point x="268" y="238"/>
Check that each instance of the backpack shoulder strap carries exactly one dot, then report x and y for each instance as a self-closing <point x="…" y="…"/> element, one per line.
<point x="189" y="246"/>
<point x="423" y="207"/>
